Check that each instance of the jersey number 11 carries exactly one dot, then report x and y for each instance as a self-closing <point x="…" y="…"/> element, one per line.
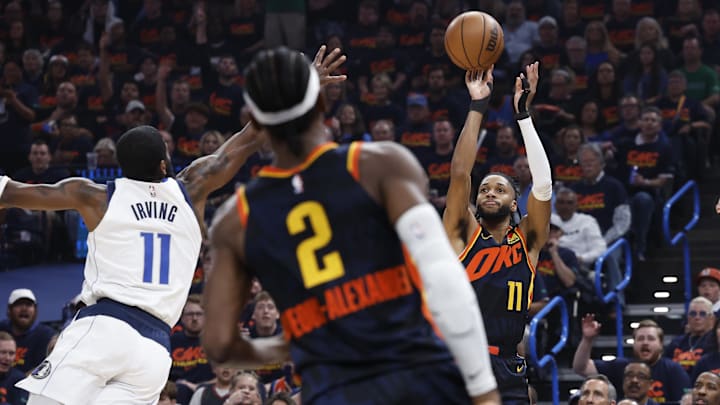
<point x="149" y="239"/>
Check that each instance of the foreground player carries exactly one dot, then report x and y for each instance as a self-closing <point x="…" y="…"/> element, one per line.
<point x="323" y="229"/>
<point x="499" y="252"/>
<point x="144" y="240"/>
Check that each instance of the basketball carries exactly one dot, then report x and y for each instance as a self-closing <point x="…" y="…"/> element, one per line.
<point x="474" y="40"/>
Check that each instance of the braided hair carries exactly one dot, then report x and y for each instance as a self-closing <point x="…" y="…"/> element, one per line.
<point x="276" y="80"/>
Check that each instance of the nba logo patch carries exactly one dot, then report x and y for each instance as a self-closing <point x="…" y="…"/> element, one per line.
<point x="297" y="184"/>
<point x="151" y="188"/>
<point x="42" y="371"/>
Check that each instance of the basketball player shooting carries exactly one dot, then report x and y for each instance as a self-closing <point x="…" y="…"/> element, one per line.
<point x="143" y="244"/>
<point x="500" y="250"/>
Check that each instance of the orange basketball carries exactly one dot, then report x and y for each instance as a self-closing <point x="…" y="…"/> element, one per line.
<point x="474" y="40"/>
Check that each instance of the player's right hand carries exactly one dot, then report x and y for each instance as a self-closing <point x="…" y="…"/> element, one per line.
<point x="479" y="83"/>
<point x="590" y="327"/>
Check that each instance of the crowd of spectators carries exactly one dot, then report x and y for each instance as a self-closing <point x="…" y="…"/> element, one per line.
<point x="626" y="110"/>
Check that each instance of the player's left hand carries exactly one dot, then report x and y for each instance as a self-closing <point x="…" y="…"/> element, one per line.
<point x="526" y="87"/>
<point x="717" y="207"/>
<point x="327" y="64"/>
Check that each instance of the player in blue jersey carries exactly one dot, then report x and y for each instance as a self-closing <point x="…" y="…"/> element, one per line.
<point x="324" y="229"/>
<point x="498" y="247"/>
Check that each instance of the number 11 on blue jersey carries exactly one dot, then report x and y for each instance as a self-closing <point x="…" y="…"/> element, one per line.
<point x="149" y="239"/>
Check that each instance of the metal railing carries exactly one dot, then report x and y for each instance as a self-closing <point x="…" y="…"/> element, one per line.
<point x="549" y="358"/>
<point x="612" y="295"/>
<point x="681" y="236"/>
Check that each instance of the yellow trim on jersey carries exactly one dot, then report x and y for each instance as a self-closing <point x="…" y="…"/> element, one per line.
<point x="470" y="243"/>
<point x="242" y="206"/>
<point x="353" y="160"/>
<point x="271" y="171"/>
<point x="531" y="287"/>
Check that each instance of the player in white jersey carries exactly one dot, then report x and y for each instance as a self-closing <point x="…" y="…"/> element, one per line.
<point x="144" y="240"/>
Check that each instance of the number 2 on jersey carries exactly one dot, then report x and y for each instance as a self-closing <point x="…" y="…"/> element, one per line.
<point x="514" y="296"/>
<point x="314" y="270"/>
<point x="149" y="239"/>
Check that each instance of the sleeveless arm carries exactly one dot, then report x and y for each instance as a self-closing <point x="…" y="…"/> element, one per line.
<point x="226" y="293"/>
<point x="458" y="221"/>
<point x="208" y="173"/>
<point x="75" y="193"/>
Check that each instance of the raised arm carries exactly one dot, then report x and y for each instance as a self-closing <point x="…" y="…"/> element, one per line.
<point x="227" y="291"/>
<point x="458" y="221"/>
<point x="536" y="224"/>
<point x="209" y="173"/>
<point x="104" y="77"/>
<point x="165" y="116"/>
<point x="582" y="363"/>
<point x="74" y="193"/>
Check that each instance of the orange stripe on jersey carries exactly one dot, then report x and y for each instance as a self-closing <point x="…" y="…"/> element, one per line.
<point x="353" y="160"/>
<point x="470" y="243"/>
<point x="272" y="171"/>
<point x="531" y="287"/>
<point x="417" y="282"/>
<point x="242" y="206"/>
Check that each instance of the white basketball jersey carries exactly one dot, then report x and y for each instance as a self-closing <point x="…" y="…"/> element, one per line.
<point x="145" y="250"/>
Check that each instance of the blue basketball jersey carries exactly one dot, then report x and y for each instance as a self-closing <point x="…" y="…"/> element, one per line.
<point x="326" y="251"/>
<point x="503" y="277"/>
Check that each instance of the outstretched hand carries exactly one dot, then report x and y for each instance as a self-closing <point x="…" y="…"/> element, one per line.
<point x="326" y="65"/>
<point x="479" y="83"/>
<point x="590" y="327"/>
<point x="526" y="85"/>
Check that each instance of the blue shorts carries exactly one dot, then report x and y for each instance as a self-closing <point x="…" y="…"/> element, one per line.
<point x="510" y="374"/>
<point x="439" y="383"/>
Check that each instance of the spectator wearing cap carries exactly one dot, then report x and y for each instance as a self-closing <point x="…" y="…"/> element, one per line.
<point x="135" y="114"/>
<point x="699" y="338"/>
<point x="708" y="285"/>
<point x="548" y="48"/>
<point x="58" y="69"/>
<point x="416" y="135"/>
<point x="9" y="375"/>
<point x="32" y="338"/>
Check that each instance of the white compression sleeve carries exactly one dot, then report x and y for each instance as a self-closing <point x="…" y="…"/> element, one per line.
<point x="4" y="180"/>
<point x="537" y="160"/>
<point x="448" y="294"/>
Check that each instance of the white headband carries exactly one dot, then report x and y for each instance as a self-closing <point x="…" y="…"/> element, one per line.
<point x="298" y="110"/>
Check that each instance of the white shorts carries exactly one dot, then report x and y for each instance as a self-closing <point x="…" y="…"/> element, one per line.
<point x="101" y="360"/>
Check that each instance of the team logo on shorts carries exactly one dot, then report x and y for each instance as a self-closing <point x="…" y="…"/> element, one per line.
<point x="42" y="371"/>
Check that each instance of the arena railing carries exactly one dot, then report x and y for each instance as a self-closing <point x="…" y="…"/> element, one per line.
<point x="681" y="236"/>
<point x="549" y="358"/>
<point x="612" y="295"/>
